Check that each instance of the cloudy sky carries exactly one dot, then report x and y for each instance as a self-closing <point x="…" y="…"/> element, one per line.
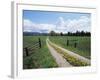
<point x="44" y="22"/>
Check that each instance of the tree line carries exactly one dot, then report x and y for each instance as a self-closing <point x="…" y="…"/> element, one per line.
<point x="77" y="33"/>
<point x="53" y="33"/>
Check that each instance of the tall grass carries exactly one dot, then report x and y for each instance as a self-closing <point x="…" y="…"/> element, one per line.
<point x="83" y="47"/>
<point x="71" y="59"/>
<point x="40" y="58"/>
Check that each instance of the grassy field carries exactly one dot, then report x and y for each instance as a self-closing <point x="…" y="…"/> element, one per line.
<point x="83" y="44"/>
<point x="39" y="57"/>
<point x="42" y="58"/>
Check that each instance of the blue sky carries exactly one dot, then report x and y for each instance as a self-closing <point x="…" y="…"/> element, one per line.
<point x="68" y="20"/>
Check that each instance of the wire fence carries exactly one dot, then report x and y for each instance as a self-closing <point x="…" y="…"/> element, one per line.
<point x="31" y="48"/>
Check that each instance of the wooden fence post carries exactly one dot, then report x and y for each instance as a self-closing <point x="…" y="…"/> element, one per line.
<point x="39" y="43"/>
<point x="26" y="50"/>
<point x="67" y="42"/>
<point x="75" y="44"/>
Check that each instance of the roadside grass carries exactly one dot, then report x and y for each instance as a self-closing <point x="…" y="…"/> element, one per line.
<point x="83" y="47"/>
<point x="72" y="60"/>
<point x="39" y="58"/>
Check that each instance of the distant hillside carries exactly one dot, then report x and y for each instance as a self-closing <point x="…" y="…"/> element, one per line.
<point x="34" y="34"/>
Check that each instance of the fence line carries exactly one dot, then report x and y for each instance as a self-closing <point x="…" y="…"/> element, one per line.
<point x="28" y="50"/>
<point x="72" y="41"/>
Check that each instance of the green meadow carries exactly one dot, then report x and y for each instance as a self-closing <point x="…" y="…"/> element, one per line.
<point x="38" y="57"/>
<point x="42" y="58"/>
<point x="83" y="44"/>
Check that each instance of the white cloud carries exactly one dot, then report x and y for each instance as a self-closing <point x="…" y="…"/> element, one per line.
<point x="83" y="23"/>
<point x="61" y="25"/>
<point x="29" y="26"/>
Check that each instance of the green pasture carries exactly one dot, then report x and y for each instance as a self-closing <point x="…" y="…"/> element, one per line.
<point x="40" y="57"/>
<point x="83" y="44"/>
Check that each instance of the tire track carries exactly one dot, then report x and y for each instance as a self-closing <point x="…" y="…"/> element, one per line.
<point x="58" y="57"/>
